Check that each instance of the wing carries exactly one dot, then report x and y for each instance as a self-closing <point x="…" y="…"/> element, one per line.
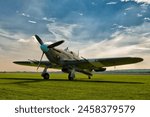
<point x="34" y="63"/>
<point x="102" y="62"/>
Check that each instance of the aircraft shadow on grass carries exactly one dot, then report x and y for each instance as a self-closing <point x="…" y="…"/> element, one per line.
<point x="33" y="80"/>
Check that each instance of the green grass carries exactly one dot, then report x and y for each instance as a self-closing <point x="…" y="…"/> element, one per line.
<point x="28" y="86"/>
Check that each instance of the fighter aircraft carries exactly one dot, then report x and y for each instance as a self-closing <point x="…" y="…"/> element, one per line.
<point x="69" y="62"/>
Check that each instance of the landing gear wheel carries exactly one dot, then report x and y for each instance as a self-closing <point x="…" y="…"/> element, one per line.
<point x="71" y="76"/>
<point x="45" y="76"/>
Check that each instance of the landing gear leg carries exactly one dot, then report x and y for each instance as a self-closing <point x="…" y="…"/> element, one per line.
<point x="89" y="77"/>
<point x="44" y="74"/>
<point x="71" y="75"/>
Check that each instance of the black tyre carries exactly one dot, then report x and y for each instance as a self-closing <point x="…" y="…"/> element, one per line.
<point x="46" y="76"/>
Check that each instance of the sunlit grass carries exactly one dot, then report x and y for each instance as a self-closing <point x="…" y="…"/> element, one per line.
<point x="102" y="86"/>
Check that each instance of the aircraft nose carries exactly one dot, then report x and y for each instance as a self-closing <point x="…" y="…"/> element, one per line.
<point x="44" y="48"/>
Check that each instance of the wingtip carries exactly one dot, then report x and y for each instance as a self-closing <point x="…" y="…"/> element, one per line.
<point x="138" y="59"/>
<point x="17" y="62"/>
<point x="14" y="62"/>
<point x="141" y="59"/>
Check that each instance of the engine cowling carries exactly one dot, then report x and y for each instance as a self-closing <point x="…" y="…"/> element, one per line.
<point x="100" y="69"/>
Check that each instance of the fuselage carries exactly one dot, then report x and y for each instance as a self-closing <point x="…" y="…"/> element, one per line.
<point x="57" y="55"/>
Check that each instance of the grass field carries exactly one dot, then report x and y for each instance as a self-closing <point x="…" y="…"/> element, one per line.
<point x="28" y="86"/>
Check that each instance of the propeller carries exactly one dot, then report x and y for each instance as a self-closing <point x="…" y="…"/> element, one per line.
<point x="46" y="48"/>
<point x="56" y="44"/>
<point x="40" y="61"/>
<point x="39" y="39"/>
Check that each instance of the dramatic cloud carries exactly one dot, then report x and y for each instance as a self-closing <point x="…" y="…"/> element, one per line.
<point x="138" y="1"/>
<point x="133" y="41"/>
<point x="97" y="28"/>
<point x="62" y="30"/>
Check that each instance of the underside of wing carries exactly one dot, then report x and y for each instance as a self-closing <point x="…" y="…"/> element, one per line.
<point x="35" y="63"/>
<point x="102" y="62"/>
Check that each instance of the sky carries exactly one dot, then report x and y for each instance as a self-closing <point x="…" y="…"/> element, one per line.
<point x="95" y="28"/>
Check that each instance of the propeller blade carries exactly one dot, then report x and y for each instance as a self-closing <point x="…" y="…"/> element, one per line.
<point x="39" y="39"/>
<point x="40" y="61"/>
<point x="56" y="44"/>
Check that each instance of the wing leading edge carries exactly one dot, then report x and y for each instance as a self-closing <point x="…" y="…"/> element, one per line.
<point x="36" y="63"/>
<point x="102" y="62"/>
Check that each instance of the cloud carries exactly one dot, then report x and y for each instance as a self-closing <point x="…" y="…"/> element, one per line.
<point x="147" y="18"/>
<point x="88" y="27"/>
<point x="11" y="43"/>
<point x="49" y="19"/>
<point x="139" y="15"/>
<point x="30" y="40"/>
<point x="133" y="41"/>
<point x="111" y="3"/>
<point x="33" y="22"/>
<point x="24" y="14"/>
<point x="93" y="3"/>
<point x="81" y="14"/>
<point x="138" y="1"/>
<point x="35" y="7"/>
<point x="129" y="8"/>
<point x="3" y="35"/>
<point x="62" y="30"/>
